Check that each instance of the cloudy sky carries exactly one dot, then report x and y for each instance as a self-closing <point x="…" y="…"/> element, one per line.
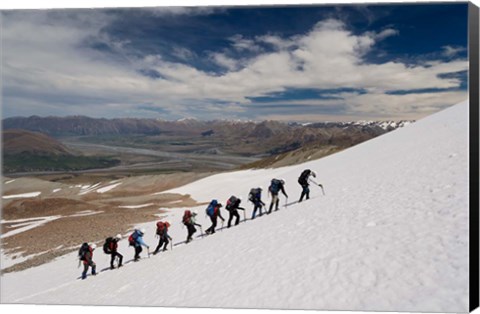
<point x="288" y="63"/>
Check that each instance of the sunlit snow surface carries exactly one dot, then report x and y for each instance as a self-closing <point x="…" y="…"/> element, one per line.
<point x="22" y="225"/>
<point x="108" y="188"/>
<point x="391" y="234"/>
<point x="136" y="206"/>
<point x="24" y="195"/>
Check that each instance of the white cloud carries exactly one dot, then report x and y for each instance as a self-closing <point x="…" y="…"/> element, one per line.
<point x="44" y="60"/>
<point x="222" y="60"/>
<point x="451" y="51"/>
<point x="183" y="53"/>
<point x="240" y="43"/>
<point x="275" y="41"/>
<point x="386" y="33"/>
<point x="378" y="105"/>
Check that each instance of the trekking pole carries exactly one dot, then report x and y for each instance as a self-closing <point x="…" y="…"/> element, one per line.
<point x="244" y="215"/>
<point x="148" y="252"/>
<point x="223" y="221"/>
<point x="171" y="244"/>
<point x="201" y="231"/>
<point x="321" y="186"/>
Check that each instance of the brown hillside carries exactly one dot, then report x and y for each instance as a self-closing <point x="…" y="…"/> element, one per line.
<point x="21" y="141"/>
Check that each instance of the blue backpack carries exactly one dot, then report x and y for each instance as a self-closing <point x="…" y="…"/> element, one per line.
<point x="211" y="208"/>
<point x="275" y="186"/>
<point x="133" y="238"/>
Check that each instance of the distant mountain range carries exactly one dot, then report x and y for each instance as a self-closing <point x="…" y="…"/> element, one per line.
<point x="280" y="143"/>
<point x="86" y="126"/>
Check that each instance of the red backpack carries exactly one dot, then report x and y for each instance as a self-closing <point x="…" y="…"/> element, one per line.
<point x="162" y="226"/>
<point x="186" y="217"/>
<point x="131" y="239"/>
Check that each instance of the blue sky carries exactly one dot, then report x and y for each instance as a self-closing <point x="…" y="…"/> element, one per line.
<point x="296" y="63"/>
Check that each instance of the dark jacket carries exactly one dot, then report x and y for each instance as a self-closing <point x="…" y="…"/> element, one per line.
<point x="281" y="189"/>
<point x="234" y="206"/>
<point x="256" y="199"/>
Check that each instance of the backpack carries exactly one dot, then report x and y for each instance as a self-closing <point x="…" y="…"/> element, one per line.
<point x="161" y="226"/>
<point x="231" y="202"/>
<point x="82" y="251"/>
<point x="275" y="186"/>
<point x="106" y="245"/>
<point x="211" y="208"/>
<point x="304" y="176"/>
<point x="254" y="195"/>
<point x="186" y="217"/>
<point x="133" y="238"/>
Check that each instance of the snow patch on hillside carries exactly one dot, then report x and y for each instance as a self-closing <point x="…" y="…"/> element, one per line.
<point x="89" y="189"/>
<point x="108" y="188"/>
<point x="136" y="206"/>
<point x="16" y="258"/>
<point x="23" y="195"/>
<point x="22" y="225"/>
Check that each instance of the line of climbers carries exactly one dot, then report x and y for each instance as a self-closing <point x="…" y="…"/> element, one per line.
<point x="189" y="220"/>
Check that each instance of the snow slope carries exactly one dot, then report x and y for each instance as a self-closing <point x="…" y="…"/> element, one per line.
<point x="391" y="234"/>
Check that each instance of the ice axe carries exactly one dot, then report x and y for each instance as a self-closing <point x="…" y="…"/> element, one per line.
<point x="321" y="186"/>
